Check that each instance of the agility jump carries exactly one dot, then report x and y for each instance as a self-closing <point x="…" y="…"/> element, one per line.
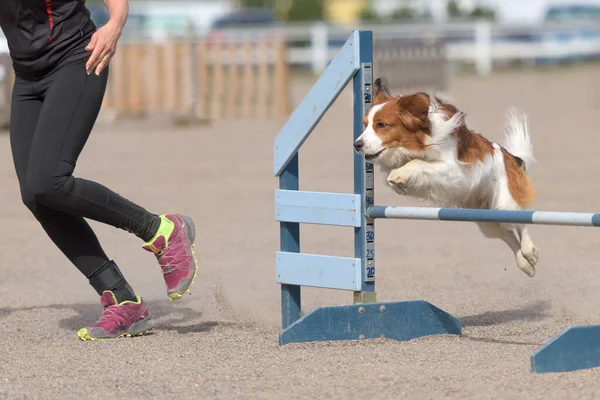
<point x="575" y="348"/>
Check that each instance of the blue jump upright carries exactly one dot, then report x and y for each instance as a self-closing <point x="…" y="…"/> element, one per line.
<point x="365" y="318"/>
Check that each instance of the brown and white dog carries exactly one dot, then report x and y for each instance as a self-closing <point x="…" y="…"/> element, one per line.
<point x="425" y="149"/>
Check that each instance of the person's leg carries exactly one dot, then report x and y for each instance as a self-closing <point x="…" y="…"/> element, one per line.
<point x="72" y="101"/>
<point x="71" y="234"/>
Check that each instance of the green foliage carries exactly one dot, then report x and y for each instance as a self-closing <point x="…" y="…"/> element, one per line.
<point x="453" y="9"/>
<point x="367" y="14"/>
<point x="483" y="13"/>
<point x="403" y="14"/>
<point x="256" y="3"/>
<point x="306" y="10"/>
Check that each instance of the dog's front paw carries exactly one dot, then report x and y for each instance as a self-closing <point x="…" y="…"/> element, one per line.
<point x="397" y="181"/>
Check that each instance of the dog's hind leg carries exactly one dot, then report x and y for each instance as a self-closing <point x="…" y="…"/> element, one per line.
<point x="528" y="249"/>
<point x="519" y="241"/>
<point x="525" y="252"/>
<point x="490" y="230"/>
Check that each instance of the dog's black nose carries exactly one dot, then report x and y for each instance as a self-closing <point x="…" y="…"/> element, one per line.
<point x="358" y="145"/>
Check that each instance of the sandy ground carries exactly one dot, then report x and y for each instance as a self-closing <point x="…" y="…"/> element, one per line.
<point x="221" y="341"/>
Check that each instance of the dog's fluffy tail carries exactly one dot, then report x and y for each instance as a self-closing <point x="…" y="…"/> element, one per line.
<point x="517" y="140"/>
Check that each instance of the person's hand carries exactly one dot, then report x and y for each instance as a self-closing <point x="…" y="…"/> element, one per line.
<point x="103" y="46"/>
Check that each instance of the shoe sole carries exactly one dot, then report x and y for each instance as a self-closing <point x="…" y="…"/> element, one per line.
<point x="138" y="329"/>
<point x="190" y="225"/>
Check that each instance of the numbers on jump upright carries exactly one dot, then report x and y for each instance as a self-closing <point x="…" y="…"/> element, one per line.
<point x="370" y="236"/>
<point x="369" y="200"/>
<point x="370" y="272"/>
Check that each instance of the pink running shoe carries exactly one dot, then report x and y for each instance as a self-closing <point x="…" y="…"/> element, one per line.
<point x="126" y="319"/>
<point x="173" y="246"/>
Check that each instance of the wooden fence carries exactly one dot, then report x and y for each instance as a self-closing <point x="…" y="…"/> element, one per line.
<point x="191" y="80"/>
<point x="200" y="80"/>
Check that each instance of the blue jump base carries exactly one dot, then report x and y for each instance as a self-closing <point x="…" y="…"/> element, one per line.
<point x="573" y="349"/>
<point x="404" y="320"/>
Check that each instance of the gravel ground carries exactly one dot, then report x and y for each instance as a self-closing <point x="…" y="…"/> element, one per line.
<point x="221" y="341"/>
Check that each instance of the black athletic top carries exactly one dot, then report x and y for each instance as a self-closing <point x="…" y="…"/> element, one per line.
<point x="43" y="34"/>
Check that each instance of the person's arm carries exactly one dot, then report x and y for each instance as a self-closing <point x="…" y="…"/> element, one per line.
<point x="103" y="44"/>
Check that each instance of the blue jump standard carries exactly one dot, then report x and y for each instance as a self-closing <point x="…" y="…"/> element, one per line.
<point x="366" y="319"/>
<point x="575" y="348"/>
<point x="400" y="321"/>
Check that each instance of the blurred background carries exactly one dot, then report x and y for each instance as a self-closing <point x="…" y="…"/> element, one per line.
<point x="203" y="60"/>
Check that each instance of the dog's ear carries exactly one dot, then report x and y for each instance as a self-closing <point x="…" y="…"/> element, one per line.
<point x="414" y="110"/>
<point x="381" y="93"/>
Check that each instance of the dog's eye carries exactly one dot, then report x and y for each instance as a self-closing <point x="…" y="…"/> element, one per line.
<point x="381" y="124"/>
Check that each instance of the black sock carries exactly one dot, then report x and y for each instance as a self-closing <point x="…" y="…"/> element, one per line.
<point x="109" y="277"/>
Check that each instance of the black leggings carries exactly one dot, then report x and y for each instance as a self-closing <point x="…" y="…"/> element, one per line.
<point x="51" y="120"/>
